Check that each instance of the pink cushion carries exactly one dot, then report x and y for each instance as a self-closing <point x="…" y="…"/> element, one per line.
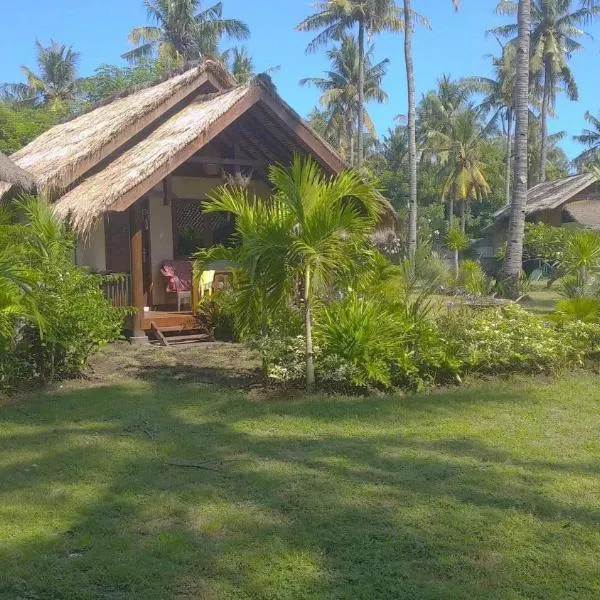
<point x="178" y="274"/>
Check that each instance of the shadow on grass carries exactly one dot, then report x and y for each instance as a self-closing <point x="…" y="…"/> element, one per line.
<point x="173" y="489"/>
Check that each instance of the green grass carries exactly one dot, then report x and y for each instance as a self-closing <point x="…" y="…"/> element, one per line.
<point x="541" y="300"/>
<point x="489" y="491"/>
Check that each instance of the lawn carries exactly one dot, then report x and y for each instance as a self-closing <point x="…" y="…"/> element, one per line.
<point x="171" y="475"/>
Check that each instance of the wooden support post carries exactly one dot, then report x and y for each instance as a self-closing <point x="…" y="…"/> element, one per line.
<point x="137" y="274"/>
<point x="195" y="297"/>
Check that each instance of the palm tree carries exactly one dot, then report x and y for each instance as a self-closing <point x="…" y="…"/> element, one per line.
<point x="513" y="262"/>
<point x="499" y="100"/>
<point x="590" y="138"/>
<point x="555" y="29"/>
<point x="557" y="163"/>
<point x="56" y="85"/>
<point x="460" y="148"/>
<point x="334" y="18"/>
<point x="305" y="235"/>
<point x="412" y="126"/>
<point x="339" y="89"/>
<point x="183" y="31"/>
<point x="240" y="63"/>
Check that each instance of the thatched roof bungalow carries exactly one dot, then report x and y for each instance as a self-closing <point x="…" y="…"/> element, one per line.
<point x="130" y="175"/>
<point x="573" y="200"/>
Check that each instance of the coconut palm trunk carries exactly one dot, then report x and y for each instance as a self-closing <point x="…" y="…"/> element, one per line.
<point x="513" y="263"/>
<point x="412" y="135"/>
<point x="451" y="213"/>
<point x="456" y="265"/>
<point x="544" y="119"/>
<point x="350" y="134"/>
<point x="507" y="168"/>
<point x="463" y="215"/>
<point x="361" y="94"/>
<point x="310" y="366"/>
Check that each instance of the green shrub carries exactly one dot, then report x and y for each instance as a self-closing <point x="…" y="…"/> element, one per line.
<point x="509" y="339"/>
<point x="72" y="317"/>
<point x="364" y="335"/>
<point x="283" y="358"/>
<point x="217" y="312"/>
<point x="578" y="309"/>
<point x="77" y="320"/>
<point x="472" y="279"/>
<point x="429" y="267"/>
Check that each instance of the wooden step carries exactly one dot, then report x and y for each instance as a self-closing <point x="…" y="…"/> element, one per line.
<point x="166" y="336"/>
<point x="188" y="339"/>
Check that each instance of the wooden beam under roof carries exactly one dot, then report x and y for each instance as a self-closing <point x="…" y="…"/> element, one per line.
<point x="236" y="162"/>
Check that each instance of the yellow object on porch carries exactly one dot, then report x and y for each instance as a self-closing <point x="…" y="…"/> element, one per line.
<point x="206" y="281"/>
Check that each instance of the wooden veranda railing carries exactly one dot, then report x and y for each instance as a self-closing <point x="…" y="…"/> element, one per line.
<point x="117" y="288"/>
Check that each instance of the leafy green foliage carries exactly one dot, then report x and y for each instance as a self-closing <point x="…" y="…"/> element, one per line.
<point x="218" y="313"/>
<point x="586" y="310"/>
<point x="472" y="278"/>
<point x="510" y="339"/>
<point x="19" y="126"/>
<point x="366" y="336"/>
<point x="311" y="234"/>
<point x="111" y="80"/>
<point x="67" y="316"/>
<point x="456" y="240"/>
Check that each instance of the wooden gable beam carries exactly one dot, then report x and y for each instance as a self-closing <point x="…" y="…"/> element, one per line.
<point x="283" y="114"/>
<point x="204" y="137"/>
<point x="301" y="131"/>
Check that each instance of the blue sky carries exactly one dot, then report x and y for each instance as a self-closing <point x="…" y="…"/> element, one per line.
<point x="456" y="44"/>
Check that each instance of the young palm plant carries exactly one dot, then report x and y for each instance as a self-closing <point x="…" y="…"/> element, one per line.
<point x="582" y="255"/>
<point x="456" y="242"/>
<point x="306" y="236"/>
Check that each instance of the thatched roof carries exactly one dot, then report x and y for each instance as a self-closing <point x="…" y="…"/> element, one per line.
<point x="12" y="175"/>
<point x="109" y="158"/>
<point x="552" y="194"/>
<point x="97" y="193"/>
<point x="67" y="151"/>
<point x="585" y="212"/>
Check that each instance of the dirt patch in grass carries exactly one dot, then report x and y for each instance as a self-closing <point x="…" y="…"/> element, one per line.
<point x="215" y="363"/>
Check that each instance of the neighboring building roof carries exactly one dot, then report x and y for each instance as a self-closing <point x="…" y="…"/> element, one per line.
<point x="13" y="175"/>
<point x="585" y="212"/>
<point x="552" y="194"/>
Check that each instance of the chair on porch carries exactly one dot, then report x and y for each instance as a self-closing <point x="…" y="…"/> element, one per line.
<point x="179" y="280"/>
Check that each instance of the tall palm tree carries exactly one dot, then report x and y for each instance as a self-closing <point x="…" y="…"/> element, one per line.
<point x="499" y="100"/>
<point x="412" y="125"/>
<point x="305" y="235"/>
<point x="461" y="150"/>
<point x="334" y="18"/>
<point x="555" y="29"/>
<point x="56" y="84"/>
<point x="183" y="31"/>
<point x="513" y="262"/>
<point x="339" y="89"/>
<point x="590" y="138"/>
